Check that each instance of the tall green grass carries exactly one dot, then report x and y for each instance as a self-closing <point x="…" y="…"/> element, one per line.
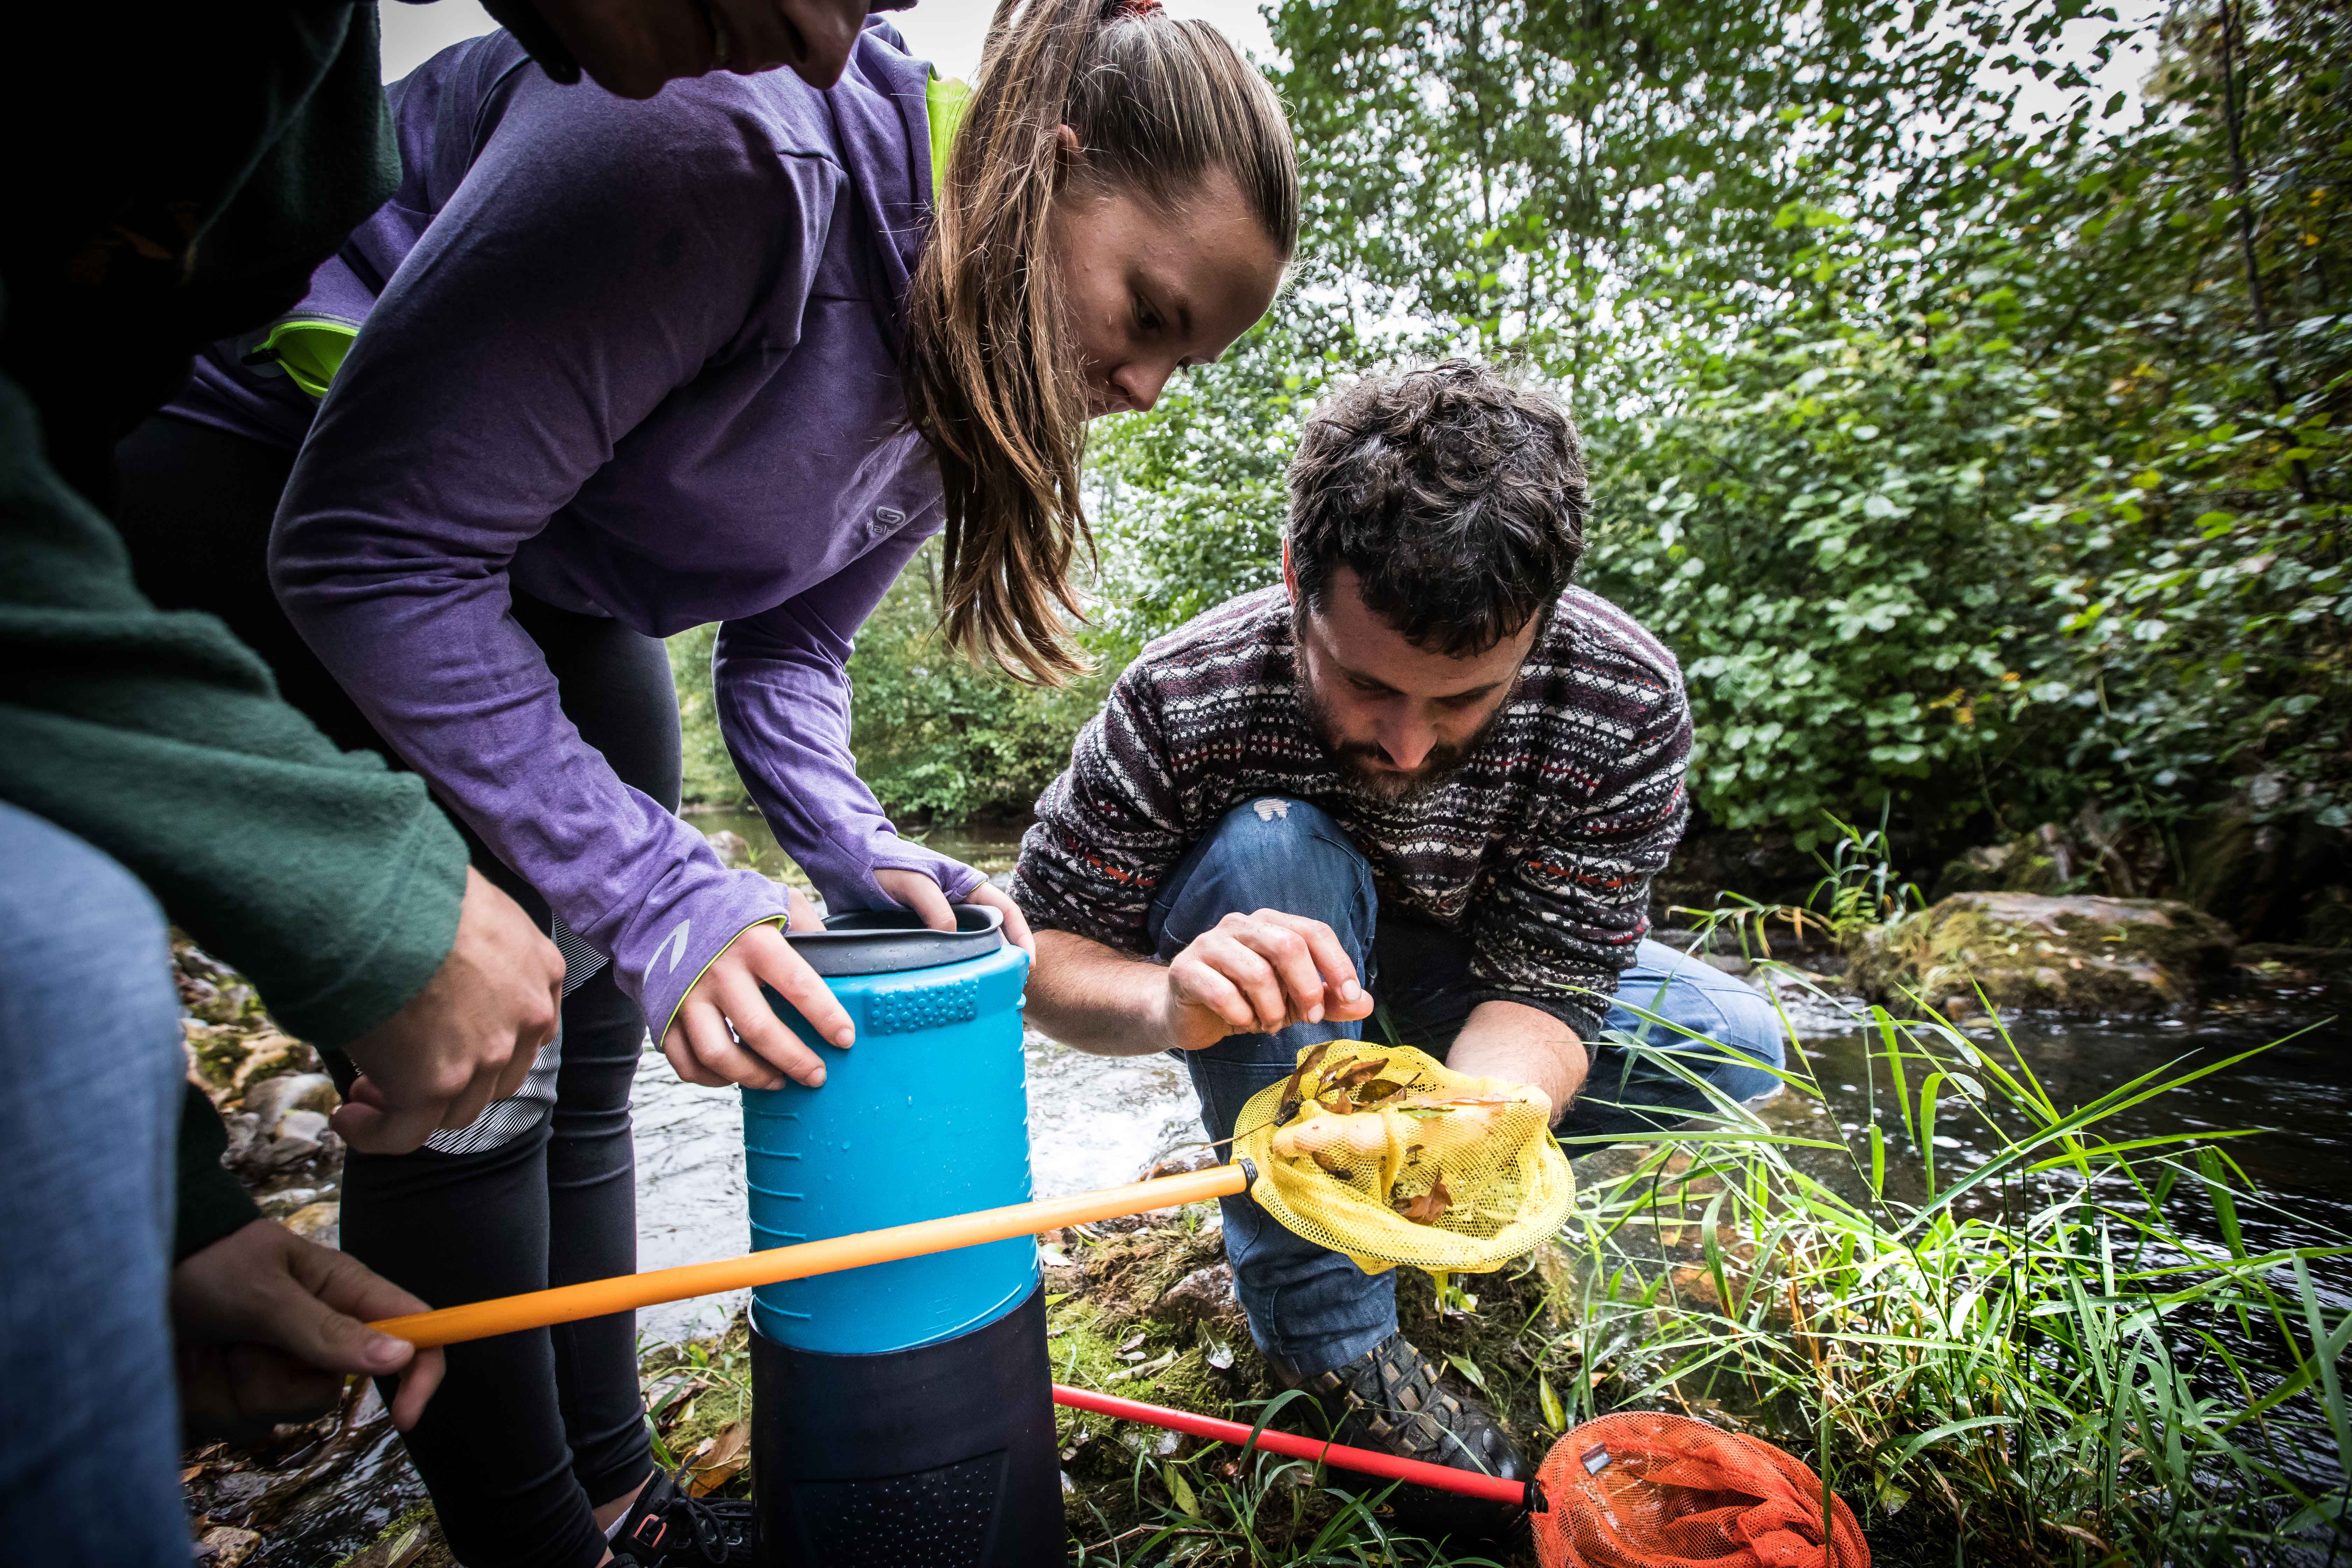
<point x="2061" y="1351"/>
<point x="2053" y="1344"/>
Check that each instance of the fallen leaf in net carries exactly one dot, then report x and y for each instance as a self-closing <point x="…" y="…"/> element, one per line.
<point x="1429" y="1207"/>
<point x="1292" y="1097"/>
<point x="1344" y="1173"/>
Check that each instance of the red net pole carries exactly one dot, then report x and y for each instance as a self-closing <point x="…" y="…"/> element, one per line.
<point x="1443" y="1477"/>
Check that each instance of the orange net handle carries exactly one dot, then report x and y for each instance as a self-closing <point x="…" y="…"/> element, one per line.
<point x="626" y="1292"/>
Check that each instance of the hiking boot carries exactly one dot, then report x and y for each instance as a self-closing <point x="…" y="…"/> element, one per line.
<point x="1390" y="1400"/>
<point x="664" y="1528"/>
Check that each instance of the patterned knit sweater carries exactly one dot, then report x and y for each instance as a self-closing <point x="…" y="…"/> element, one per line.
<point x="1542" y="844"/>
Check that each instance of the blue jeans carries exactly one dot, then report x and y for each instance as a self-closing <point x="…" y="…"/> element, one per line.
<point x="1310" y="1308"/>
<point x="90" y="1069"/>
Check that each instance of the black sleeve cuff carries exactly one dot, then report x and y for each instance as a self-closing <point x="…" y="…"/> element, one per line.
<point x="210" y="1202"/>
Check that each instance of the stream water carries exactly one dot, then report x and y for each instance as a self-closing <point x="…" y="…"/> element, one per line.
<point x="1096" y="1121"/>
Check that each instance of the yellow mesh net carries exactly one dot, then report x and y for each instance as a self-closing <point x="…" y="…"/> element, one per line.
<point x="1381" y="1154"/>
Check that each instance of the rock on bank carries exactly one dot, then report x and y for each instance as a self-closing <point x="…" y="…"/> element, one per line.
<point x="2028" y="951"/>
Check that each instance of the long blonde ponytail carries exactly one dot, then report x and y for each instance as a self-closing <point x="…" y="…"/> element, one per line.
<point x="992" y="378"/>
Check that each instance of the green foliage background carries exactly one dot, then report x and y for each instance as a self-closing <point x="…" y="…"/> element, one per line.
<point x="1973" y="436"/>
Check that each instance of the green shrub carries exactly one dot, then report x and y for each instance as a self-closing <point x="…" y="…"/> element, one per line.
<point x="935" y="739"/>
<point x="939" y="739"/>
<point x="1824" y="531"/>
<point x="710" y="777"/>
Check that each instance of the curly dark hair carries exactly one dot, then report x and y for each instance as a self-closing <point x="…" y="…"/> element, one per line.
<point x="1454" y="492"/>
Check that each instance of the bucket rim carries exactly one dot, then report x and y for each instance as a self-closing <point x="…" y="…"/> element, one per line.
<point x="892" y="941"/>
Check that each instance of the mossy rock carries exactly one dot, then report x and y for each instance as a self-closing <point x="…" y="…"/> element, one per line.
<point x="2025" y="864"/>
<point x="2027" y="953"/>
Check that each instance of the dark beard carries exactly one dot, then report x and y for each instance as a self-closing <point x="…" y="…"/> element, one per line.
<point x="1357" y="760"/>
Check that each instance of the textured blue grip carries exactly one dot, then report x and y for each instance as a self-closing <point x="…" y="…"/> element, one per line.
<point x="926" y="1116"/>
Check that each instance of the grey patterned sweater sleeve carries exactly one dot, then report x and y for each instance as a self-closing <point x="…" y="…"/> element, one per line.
<point x="1561" y="919"/>
<point x="1107" y="830"/>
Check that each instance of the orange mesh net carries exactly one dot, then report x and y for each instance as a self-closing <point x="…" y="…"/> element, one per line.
<point x="1382" y="1153"/>
<point x="1641" y="1490"/>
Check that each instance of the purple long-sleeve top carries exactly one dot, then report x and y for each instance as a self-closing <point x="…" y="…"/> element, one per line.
<point x="637" y="360"/>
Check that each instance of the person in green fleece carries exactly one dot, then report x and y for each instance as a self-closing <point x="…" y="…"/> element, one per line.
<point x="181" y="189"/>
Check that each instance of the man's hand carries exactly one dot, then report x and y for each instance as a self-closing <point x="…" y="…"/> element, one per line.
<point x="267" y="1325"/>
<point x="725" y="1032"/>
<point x="467" y="1038"/>
<point x="1255" y="974"/>
<point x="633" y="46"/>
<point x="915" y="891"/>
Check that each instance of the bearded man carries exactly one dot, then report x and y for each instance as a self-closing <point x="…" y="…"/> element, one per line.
<point x="1423" y="782"/>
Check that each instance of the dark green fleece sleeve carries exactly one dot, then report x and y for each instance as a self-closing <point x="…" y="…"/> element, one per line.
<point x="211" y="1203"/>
<point x="332" y="882"/>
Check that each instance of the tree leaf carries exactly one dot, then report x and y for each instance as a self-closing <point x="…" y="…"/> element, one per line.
<point x="1555" y="1415"/>
<point x="1181" y="1490"/>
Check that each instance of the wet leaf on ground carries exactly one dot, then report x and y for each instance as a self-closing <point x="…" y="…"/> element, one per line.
<point x="719" y="1458"/>
<point x="1469" y="1369"/>
<point x="1181" y="1490"/>
<point x="224" y="1546"/>
<point x="395" y="1551"/>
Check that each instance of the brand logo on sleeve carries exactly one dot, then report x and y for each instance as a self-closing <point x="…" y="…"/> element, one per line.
<point x="675" y="942"/>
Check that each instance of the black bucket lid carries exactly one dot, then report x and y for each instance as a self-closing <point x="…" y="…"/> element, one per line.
<point x="884" y="941"/>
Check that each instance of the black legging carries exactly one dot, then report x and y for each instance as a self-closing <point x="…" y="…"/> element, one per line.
<point x="529" y="1431"/>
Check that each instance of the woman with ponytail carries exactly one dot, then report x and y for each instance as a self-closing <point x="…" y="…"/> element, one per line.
<point x="605" y="370"/>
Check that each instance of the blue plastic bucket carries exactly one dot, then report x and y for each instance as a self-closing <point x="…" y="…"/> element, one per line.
<point x="927" y="1115"/>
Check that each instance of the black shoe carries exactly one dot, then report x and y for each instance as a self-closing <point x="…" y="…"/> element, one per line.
<point x="666" y="1528"/>
<point x="1390" y="1400"/>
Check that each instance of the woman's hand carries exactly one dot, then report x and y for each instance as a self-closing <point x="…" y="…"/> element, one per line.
<point x="915" y="891"/>
<point x="758" y="1051"/>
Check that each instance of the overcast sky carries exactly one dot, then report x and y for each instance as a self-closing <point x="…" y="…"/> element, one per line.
<point x="948" y="33"/>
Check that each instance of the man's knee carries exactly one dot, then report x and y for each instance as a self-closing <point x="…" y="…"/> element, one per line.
<point x="1751" y="1025"/>
<point x="1705" y="1009"/>
<point x="1272" y="852"/>
<point x="1279" y="847"/>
